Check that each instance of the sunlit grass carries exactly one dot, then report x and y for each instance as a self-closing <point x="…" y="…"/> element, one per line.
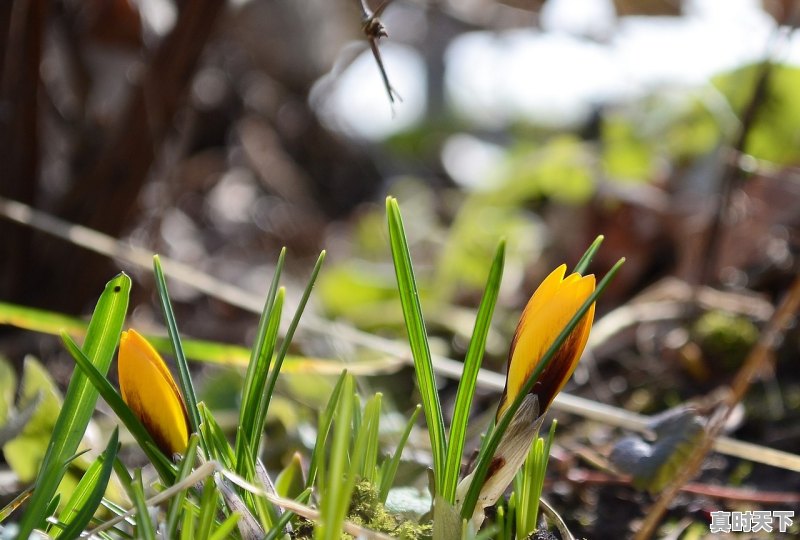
<point x="209" y="486"/>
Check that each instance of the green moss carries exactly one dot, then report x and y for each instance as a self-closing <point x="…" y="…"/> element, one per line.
<point x="724" y="337"/>
<point x="368" y="511"/>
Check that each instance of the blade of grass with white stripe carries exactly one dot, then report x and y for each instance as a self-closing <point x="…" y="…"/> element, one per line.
<point x="225" y="528"/>
<point x="144" y="525"/>
<point x="323" y="428"/>
<point x="215" y="437"/>
<point x="335" y="495"/>
<point x="389" y="467"/>
<point x="161" y="463"/>
<point x="266" y="395"/>
<point x="79" y="401"/>
<point x="208" y="507"/>
<point x="469" y="377"/>
<point x="587" y="257"/>
<point x="493" y="439"/>
<point x="184" y="377"/>
<point x="418" y="339"/>
<point x="529" y="482"/>
<point x="258" y="368"/>
<point x="370" y="425"/>
<point x="176" y="503"/>
<point x="88" y="494"/>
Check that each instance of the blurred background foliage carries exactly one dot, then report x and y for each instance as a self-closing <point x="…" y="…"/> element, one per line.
<point x="215" y="132"/>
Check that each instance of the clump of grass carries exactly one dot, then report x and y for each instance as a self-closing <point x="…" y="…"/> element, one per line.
<point x="208" y="487"/>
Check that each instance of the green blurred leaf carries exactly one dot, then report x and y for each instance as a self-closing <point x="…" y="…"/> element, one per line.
<point x="8" y="389"/>
<point x="25" y="453"/>
<point x="560" y="169"/>
<point x="290" y="482"/>
<point x="775" y="134"/>
<point x="626" y="155"/>
<point x="88" y="494"/>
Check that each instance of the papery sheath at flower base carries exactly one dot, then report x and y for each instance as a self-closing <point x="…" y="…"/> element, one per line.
<point x="150" y="391"/>
<point x="549" y="310"/>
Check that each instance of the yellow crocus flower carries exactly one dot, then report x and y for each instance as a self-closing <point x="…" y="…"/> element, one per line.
<point x="149" y="390"/>
<point x="548" y="311"/>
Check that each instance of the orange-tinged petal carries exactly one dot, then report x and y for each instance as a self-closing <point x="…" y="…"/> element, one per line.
<point x="149" y="390"/>
<point x="549" y="310"/>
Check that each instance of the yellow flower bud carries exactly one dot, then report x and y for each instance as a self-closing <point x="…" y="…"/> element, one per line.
<point x="149" y="390"/>
<point x="549" y="310"/>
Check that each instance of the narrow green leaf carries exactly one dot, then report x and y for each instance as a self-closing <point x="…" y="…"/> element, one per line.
<point x="387" y="479"/>
<point x="587" y="257"/>
<point x="208" y="507"/>
<point x="418" y="338"/>
<point x="280" y="525"/>
<point x="216" y="439"/>
<point x="287" y="341"/>
<point x="248" y="389"/>
<point x="372" y="419"/>
<point x="225" y="528"/>
<point x="324" y="427"/>
<point x="466" y="387"/>
<point x="114" y="400"/>
<point x="185" y="469"/>
<point x="89" y="493"/>
<point x="184" y="377"/>
<point x="257" y="408"/>
<point x="144" y="525"/>
<point x="187" y="525"/>
<point x="101" y="340"/>
<point x="485" y="457"/>
<point x="333" y="505"/>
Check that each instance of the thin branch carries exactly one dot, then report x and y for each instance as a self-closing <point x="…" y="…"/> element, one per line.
<point x="374" y="30"/>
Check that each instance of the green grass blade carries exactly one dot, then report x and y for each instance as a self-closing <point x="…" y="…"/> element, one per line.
<point x="225" y="528"/>
<point x="184" y="377"/>
<point x="89" y="494"/>
<point x="129" y="419"/>
<point x="372" y="419"/>
<point x="287" y="341"/>
<point x="256" y="410"/>
<point x="387" y="479"/>
<point x="280" y="525"/>
<point x="336" y="496"/>
<point x="257" y="368"/>
<point x="418" y="338"/>
<point x="466" y="387"/>
<point x="324" y="427"/>
<point x="176" y="504"/>
<point x="79" y="402"/>
<point x="208" y="507"/>
<point x="144" y="525"/>
<point x="583" y="264"/>
<point x="218" y="445"/>
<point x="485" y="457"/>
